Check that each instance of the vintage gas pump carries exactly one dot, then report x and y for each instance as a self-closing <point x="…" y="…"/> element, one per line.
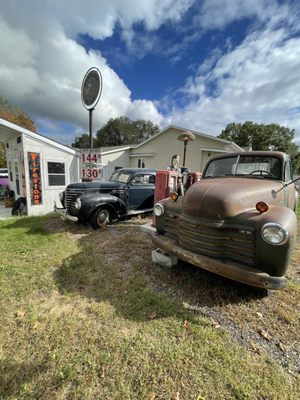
<point x="191" y="178"/>
<point x="165" y="183"/>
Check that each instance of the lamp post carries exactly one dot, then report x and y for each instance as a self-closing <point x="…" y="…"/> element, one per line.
<point x="185" y="137"/>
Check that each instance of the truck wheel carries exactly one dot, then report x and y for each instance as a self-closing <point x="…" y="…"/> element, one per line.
<point x="100" y="219"/>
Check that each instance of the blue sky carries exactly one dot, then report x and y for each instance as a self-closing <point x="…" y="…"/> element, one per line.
<point x="196" y="64"/>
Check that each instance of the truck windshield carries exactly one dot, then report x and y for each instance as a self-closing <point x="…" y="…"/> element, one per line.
<point x="250" y="166"/>
<point x="119" y="176"/>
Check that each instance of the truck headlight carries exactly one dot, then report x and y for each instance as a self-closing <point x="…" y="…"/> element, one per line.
<point x="61" y="196"/>
<point x="158" y="210"/>
<point x="77" y="204"/>
<point x="274" y="234"/>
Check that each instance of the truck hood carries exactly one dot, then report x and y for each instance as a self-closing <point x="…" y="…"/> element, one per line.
<point x="104" y="185"/>
<point x="228" y="197"/>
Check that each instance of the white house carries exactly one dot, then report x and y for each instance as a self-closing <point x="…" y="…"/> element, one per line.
<point x="157" y="151"/>
<point x="39" y="168"/>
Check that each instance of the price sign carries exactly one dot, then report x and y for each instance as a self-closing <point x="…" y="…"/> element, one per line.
<point x="91" y="166"/>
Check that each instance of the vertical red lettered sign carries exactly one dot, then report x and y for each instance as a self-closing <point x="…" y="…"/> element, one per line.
<point x="35" y="178"/>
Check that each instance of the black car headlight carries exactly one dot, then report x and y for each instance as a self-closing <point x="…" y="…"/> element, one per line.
<point x="275" y="234"/>
<point x="77" y="204"/>
<point x="61" y="196"/>
<point x="158" y="210"/>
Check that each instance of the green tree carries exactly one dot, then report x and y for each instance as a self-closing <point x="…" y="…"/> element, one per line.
<point x="123" y="131"/>
<point x="2" y="156"/>
<point x="16" y="116"/>
<point x="83" y="141"/>
<point x="263" y="137"/>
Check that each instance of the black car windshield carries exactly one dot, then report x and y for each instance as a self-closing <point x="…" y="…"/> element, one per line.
<point x="120" y="176"/>
<point x="250" y="166"/>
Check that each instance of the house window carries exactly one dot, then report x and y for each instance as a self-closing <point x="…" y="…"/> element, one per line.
<point x="11" y="178"/>
<point x="142" y="179"/>
<point x="288" y="173"/>
<point x="141" y="163"/>
<point x="56" y="173"/>
<point x="17" y="178"/>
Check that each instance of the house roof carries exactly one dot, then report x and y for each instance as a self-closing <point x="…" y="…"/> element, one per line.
<point x="113" y="149"/>
<point x="8" y="130"/>
<point x="197" y="133"/>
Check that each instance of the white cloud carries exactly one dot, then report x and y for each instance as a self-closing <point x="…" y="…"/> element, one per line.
<point x="42" y="64"/>
<point x="258" y="80"/>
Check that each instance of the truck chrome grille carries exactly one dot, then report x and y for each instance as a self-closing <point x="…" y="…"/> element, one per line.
<point x="71" y="195"/>
<point x="212" y="238"/>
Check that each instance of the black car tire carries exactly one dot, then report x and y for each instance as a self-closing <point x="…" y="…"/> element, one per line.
<point x="101" y="218"/>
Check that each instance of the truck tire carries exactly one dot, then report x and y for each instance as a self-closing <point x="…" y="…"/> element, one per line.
<point x="101" y="218"/>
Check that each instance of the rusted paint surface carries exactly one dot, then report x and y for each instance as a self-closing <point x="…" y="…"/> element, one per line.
<point x="230" y="196"/>
<point x="228" y="269"/>
<point x="216" y="225"/>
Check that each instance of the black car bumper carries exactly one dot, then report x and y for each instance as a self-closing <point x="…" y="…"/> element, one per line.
<point x="64" y="214"/>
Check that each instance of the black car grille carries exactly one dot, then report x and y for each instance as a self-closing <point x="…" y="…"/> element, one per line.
<point x="71" y="196"/>
<point x="212" y="238"/>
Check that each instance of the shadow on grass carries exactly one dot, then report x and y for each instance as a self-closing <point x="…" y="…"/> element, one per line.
<point x="42" y="225"/>
<point x="15" y="376"/>
<point x="115" y="266"/>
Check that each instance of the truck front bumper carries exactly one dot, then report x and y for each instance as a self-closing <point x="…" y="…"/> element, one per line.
<point x="63" y="212"/>
<point x="229" y="269"/>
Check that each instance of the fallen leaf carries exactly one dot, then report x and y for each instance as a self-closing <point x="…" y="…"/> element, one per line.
<point x="265" y="334"/>
<point x="186" y="324"/>
<point x="281" y="346"/>
<point x="153" y="315"/>
<point x="259" y="315"/>
<point x="255" y="348"/>
<point x="151" y="396"/>
<point x="20" y="314"/>
<point x="190" y="362"/>
<point x="125" y="291"/>
<point x="177" y="396"/>
<point x="36" y="325"/>
<point x="215" y="324"/>
<point x="102" y="372"/>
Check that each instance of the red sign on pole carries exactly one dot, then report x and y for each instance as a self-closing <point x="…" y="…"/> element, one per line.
<point x="91" y="164"/>
<point x="35" y="178"/>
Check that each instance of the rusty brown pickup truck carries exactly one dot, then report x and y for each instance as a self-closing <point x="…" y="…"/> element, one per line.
<point x="238" y="222"/>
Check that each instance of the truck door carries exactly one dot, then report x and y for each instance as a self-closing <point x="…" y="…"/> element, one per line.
<point x="141" y="191"/>
<point x="290" y="198"/>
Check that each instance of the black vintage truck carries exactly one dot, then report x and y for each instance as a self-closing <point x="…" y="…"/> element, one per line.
<point x="127" y="192"/>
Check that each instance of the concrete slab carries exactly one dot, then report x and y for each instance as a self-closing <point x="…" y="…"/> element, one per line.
<point x="148" y="228"/>
<point x="160" y="257"/>
<point x="4" y="212"/>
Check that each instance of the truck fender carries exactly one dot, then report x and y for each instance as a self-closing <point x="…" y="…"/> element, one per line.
<point x="113" y="203"/>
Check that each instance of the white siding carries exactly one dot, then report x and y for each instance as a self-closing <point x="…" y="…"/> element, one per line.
<point x="49" y="153"/>
<point x="113" y="159"/>
<point x="161" y="149"/>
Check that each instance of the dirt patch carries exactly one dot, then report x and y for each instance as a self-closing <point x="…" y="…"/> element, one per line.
<point x="265" y="322"/>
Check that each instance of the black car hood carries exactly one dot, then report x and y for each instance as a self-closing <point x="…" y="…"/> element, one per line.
<point x="97" y="185"/>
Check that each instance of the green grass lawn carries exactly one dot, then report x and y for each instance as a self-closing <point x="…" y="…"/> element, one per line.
<point x="86" y="315"/>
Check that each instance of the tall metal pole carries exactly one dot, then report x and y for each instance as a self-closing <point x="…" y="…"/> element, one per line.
<point x="184" y="152"/>
<point x="91" y="127"/>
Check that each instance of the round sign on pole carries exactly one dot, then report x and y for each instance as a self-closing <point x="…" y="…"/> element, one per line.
<point x="91" y="88"/>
